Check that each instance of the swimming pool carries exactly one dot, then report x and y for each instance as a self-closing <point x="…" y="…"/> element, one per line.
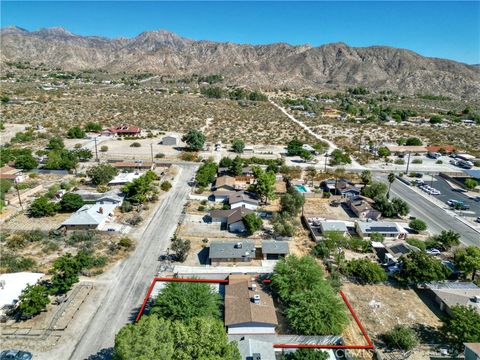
<point x="301" y="188"/>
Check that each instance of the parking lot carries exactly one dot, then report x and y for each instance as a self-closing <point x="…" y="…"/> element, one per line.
<point x="448" y="193"/>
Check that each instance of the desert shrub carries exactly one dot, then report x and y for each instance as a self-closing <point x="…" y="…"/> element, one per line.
<point x="401" y="337"/>
<point x="166" y="185"/>
<point x="135" y="144"/>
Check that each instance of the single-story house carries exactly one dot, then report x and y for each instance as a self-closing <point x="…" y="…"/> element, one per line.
<point x="346" y="189"/>
<point x="248" y="308"/>
<point x="450" y="293"/>
<point x="333" y="226"/>
<point x="274" y="250"/>
<point x="225" y="183"/>
<point x="139" y="165"/>
<point x="308" y="148"/>
<point x="362" y="207"/>
<point x="252" y="349"/>
<point x="389" y="230"/>
<point x="12" y="285"/>
<point x="232" y="218"/>
<point x="114" y="196"/>
<point x="242" y="199"/>
<point x="123" y="178"/>
<point x="90" y="217"/>
<point x="389" y="252"/>
<point x="448" y="149"/>
<point x="248" y="170"/>
<point x="171" y="140"/>
<point x="9" y="173"/>
<point x="231" y="252"/>
<point x="243" y="182"/>
<point x="222" y="195"/>
<point x="123" y="130"/>
<point x="472" y="351"/>
<point x="395" y="149"/>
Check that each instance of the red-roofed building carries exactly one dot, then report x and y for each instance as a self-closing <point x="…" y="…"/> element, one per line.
<point x="123" y="130"/>
<point x="445" y="148"/>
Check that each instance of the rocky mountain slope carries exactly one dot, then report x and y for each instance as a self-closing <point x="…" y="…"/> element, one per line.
<point x="276" y="65"/>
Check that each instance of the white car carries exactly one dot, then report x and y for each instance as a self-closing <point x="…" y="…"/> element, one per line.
<point x="433" y="251"/>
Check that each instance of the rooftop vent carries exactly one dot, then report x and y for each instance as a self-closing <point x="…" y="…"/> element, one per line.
<point x="238" y="245"/>
<point x="253" y="287"/>
<point x="256" y="299"/>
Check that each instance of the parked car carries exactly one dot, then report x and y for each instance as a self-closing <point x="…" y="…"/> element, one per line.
<point x="419" y="175"/>
<point x="433" y="251"/>
<point x="478" y="219"/>
<point x="15" y="355"/>
<point x="453" y="162"/>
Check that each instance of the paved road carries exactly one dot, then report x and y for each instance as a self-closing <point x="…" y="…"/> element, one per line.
<point x="127" y="283"/>
<point x="436" y="217"/>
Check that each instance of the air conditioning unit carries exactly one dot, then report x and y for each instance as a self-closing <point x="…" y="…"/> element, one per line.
<point x="256" y="299"/>
<point x="253" y="287"/>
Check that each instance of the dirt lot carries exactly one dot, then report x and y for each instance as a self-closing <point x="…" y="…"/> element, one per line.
<point x="320" y="207"/>
<point x="381" y="307"/>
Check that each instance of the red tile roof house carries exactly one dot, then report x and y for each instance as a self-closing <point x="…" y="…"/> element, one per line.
<point x="123" y="130"/>
<point x="448" y="149"/>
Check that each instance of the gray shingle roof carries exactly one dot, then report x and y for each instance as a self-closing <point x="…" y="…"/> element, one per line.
<point x="274" y="247"/>
<point x="232" y="249"/>
<point x="90" y="214"/>
<point x="232" y="215"/>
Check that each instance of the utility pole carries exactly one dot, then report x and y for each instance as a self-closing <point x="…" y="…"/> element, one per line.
<point x="96" y="150"/>
<point x="151" y="151"/>
<point x="326" y="156"/>
<point x="408" y="162"/>
<point x="18" y="194"/>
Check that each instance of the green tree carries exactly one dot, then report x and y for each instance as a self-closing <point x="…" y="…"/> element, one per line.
<point x="419" y="267"/>
<point x="149" y="338"/>
<point x="252" y="223"/>
<point x="306" y="155"/>
<point x="181" y="247"/>
<point x="26" y="162"/>
<point x="56" y="143"/>
<point x="141" y="189"/>
<point x="41" y="207"/>
<point x="93" y="127"/>
<point x="206" y="173"/>
<point x="391" y="179"/>
<point x="238" y="145"/>
<point x="366" y="176"/>
<point x="435" y="119"/>
<point x="184" y="301"/>
<point x="291" y="202"/>
<point x="65" y="272"/>
<point x="194" y="139"/>
<point x="33" y="300"/>
<point x="401" y="337"/>
<point x="446" y="239"/>
<point x="294" y="148"/>
<point x="365" y="271"/>
<point x="84" y="154"/>
<point x="417" y="225"/>
<point x="166" y="185"/>
<point x="71" y="202"/>
<point x="265" y="184"/>
<point x="384" y="152"/>
<point x="375" y="189"/>
<point x="338" y="157"/>
<point x="467" y="259"/>
<point x="413" y="141"/>
<point x="156" y="338"/>
<point x="236" y="166"/>
<point x="470" y="184"/>
<point x="306" y="354"/>
<point x="462" y="327"/>
<point x="75" y="133"/>
<point x="101" y="174"/>
<point x="61" y="160"/>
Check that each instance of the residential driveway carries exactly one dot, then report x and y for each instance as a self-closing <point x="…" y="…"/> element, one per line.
<point x="122" y="289"/>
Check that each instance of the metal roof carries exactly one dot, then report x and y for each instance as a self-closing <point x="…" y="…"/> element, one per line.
<point x="232" y="249"/>
<point x="378" y="226"/>
<point x="333" y="226"/>
<point x="473" y="173"/>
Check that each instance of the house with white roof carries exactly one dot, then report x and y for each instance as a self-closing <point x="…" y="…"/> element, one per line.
<point x="123" y="178"/>
<point x="12" y="285"/>
<point x="389" y="230"/>
<point x="90" y="217"/>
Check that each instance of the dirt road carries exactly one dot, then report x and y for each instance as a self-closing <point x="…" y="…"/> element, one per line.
<point x="123" y="287"/>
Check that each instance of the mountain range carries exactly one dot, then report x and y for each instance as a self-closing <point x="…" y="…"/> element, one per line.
<point x="333" y="66"/>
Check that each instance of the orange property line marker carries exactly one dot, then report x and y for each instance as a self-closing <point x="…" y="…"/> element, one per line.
<point x="286" y="346"/>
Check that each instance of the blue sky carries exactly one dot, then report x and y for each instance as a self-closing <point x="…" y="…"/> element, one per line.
<point x="440" y="29"/>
